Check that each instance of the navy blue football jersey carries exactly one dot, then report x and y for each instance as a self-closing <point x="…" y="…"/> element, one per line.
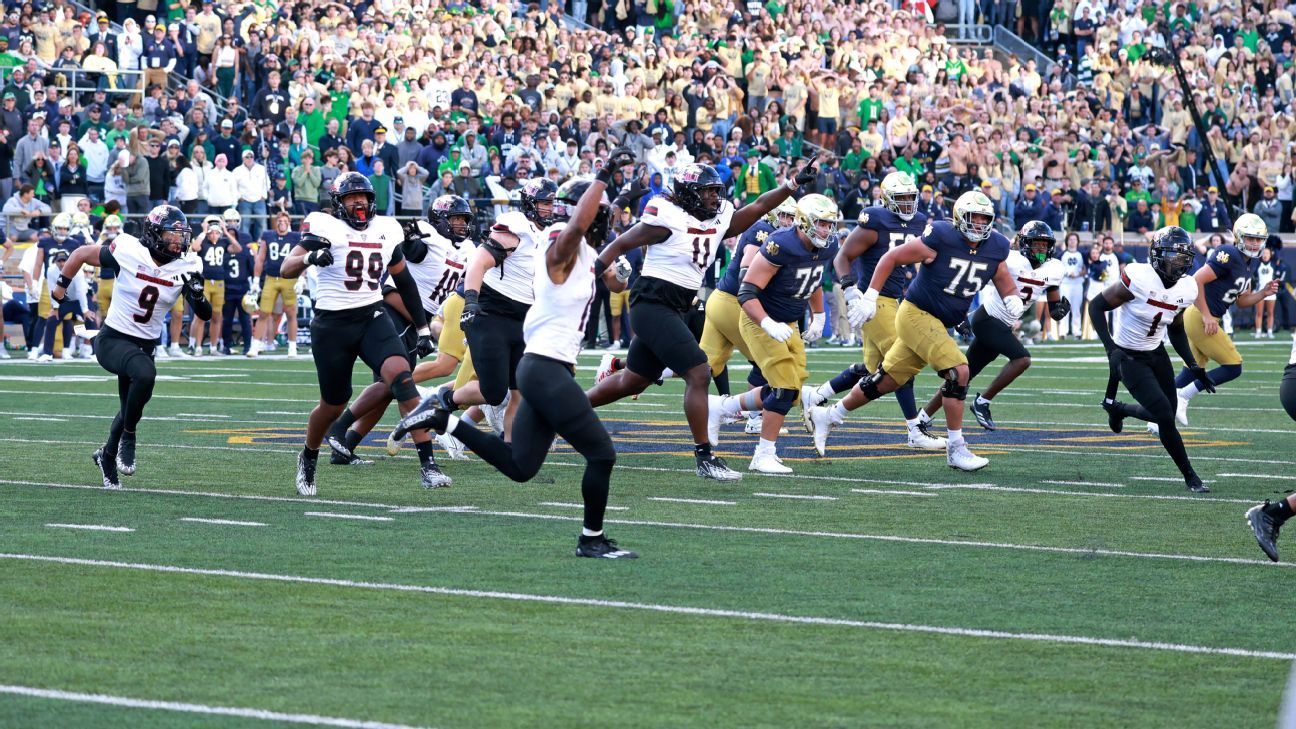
<point x="238" y="272"/>
<point x="1232" y="277"/>
<point x="753" y="236"/>
<point x="891" y="232"/>
<point x="213" y="257"/>
<point x="944" y="287"/>
<point x="801" y="272"/>
<point x="277" y="249"/>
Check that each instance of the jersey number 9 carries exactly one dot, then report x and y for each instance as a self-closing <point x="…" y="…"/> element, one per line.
<point x="357" y="270"/>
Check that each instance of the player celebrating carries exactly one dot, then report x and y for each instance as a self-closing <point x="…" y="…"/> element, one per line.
<point x="1154" y="296"/>
<point x="683" y="231"/>
<point x="993" y="327"/>
<point x="151" y="273"/>
<point x="551" y="401"/>
<point x="435" y="258"/>
<point x="957" y="257"/>
<point x="217" y="244"/>
<point x="1224" y="281"/>
<point x="275" y="246"/>
<point x="349" y="321"/>
<point x="890" y="224"/>
<point x="785" y="276"/>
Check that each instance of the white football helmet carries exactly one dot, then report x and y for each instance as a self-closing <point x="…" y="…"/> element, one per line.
<point x="1250" y="234"/>
<point x="61" y="228"/>
<point x="972" y="203"/>
<point x="817" y="218"/>
<point x="784" y="215"/>
<point x="900" y="195"/>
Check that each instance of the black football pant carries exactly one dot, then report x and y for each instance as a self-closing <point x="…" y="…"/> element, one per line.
<point x="1149" y="377"/>
<point x="552" y="403"/>
<point x="232" y="310"/>
<point x="131" y="359"/>
<point x="497" y="345"/>
<point x="991" y="339"/>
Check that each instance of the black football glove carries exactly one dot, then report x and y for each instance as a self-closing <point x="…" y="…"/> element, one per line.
<point x="964" y="328"/>
<point x="321" y="258"/>
<point x="425" y="346"/>
<point x="192" y="287"/>
<point x="470" y="311"/>
<point x="808" y="173"/>
<point x="411" y="229"/>
<point x="1059" y="309"/>
<point x="1203" y="379"/>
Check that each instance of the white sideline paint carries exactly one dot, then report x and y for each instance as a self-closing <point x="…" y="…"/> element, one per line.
<point x="223" y="522"/>
<point x="91" y="527"/>
<point x="357" y="517"/>
<point x="206" y="494"/>
<point x="795" y="496"/>
<point x="187" y="708"/>
<point x="1086" y="483"/>
<point x="709" y="502"/>
<point x="1253" y="475"/>
<point x="568" y="505"/>
<point x="888" y="492"/>
<point x="1169" y="479"/>
<point x="670" y="609"/>
<point x="423" y="509"/>
<point x="1154" y="497"/>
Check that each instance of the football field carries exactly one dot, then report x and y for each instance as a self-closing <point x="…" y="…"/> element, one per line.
<point x="1073" y="582"/>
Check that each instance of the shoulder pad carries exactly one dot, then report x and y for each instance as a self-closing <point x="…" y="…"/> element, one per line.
<point x="663" y="213"/>
<point x="1052" y="271"/>
<point x="1136" y="279"/>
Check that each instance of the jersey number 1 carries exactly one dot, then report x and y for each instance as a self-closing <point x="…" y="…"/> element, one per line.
<point x="356" y="270"/>
<point x="701" y="250"/>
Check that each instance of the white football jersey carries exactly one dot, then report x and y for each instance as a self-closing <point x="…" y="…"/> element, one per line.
<point x="515" y="278"/>
<point x="144" y="291"/>
<point x="1031" y="283"/>
<point x="360" y="258"/>
<point x="683" y="258"/>
<point x="1153" y="308"/>
<point x="441" y="270"/>
<point x="555" y="324"/>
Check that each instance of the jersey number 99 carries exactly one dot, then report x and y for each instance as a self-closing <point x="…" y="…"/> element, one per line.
<point x="361" y="274"/>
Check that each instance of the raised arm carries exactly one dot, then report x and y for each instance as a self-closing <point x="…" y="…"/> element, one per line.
<point x="747" y="215"/>
<point x="561" y="256"/>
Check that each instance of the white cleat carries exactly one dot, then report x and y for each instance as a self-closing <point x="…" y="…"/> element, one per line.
<point x="605" y="367"/>
<point x="393" y="445"/>
<point x="753" y="426"/>
<point x="177" y="352"/>
<point x="822" y="421"/>
<point x="454" y="447"/>
<point x="255" y="350"/>
<point x="809" y="399"/>
<point x="921" y="439"/>
<point x="958" y="456"/>
<point x="768" y="463"/>
<point x="714" y="416"/>
<point x="1154" y="429"/>
<point x="495" y="416"/>
<point x="45" y="358"/>
<point x="1181" y="411"/>
<point x="292" y="350"/>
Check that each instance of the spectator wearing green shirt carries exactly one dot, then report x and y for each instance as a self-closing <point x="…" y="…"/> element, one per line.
<point x="312" y="119"/>
<point x="854" y="159"/>
<point x="907" y="163"/>
<point x="1137" y="192"/>
<point x="8" y="61"/>
<point x="382" y="183"/>
<point x="870" y="108"/>
<point x="789" y="145"/>
<point x="306" y="181"/>
<point x="755" y="179"/>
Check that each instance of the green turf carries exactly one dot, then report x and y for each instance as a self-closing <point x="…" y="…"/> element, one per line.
<point x="965" y="558"/>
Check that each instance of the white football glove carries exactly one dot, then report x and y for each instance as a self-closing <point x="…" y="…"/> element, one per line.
<point x="777" y="330"/>
<point x="1014" y="306"/>
<point x="866" y="308"/>
<point x="854" y="314"/>
<point x="622" y="269"/>
<point x="814" y="331"/>
<point x="300" y="286"/>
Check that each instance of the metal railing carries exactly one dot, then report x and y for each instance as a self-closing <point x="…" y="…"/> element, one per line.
<point x="977" y="34"/>
<point x="1009" y="42"/>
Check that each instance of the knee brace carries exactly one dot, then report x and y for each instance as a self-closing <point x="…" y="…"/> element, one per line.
<point x="403" y="389"/>
<point x="859" y="369"/>
<point x="780" y="400"/>
<point x="869" y="385"/>
<point x="1227" y="373"/>
<point x="951" y="388"/>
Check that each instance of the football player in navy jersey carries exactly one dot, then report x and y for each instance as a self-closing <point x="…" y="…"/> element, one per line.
<point x="216" y="244"/>
<point x="275" y="246"/>
<point x="958" y="258"/>
<point x="785" y="276"/>
<point x="880" y="229"/>
<point x="238" y="275"/>
<point x="1224" y="280"/>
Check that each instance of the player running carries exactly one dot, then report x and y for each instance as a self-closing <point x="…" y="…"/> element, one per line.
<point x="1266" y="519"/>
<point x="1154" y="296"/>
<point x="683" y="231"/>
<point x="784" y="277"/>
<point x="1224" y="280"/>
<point x="958" y="257"/>
<point x="351" y="249"/>
<point x="889" y="225"/>
<point x="275" y="246"/>
<point x="551" y="400"/>
<point x="152" y="272"/>
<point x="994" y="328"/>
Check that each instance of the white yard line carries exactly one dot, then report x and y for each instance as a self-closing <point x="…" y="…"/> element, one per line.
<point x="671" y="609"/>
<point x="1254" y="475"/>
<point x="569" y="505"/>
<point x="91" y="527"/>
<point x="795" y="496"/>
<point x="223" y="522"/>
<point x="709" y="502"/>
<point x="1106" y="494"/>
<point x="187" y="708"/>
<point x="354" y="517"/>
<point x="1167" y="479"/>
<point x="1086" y="483"/>
<point x="206" y="494"/>
<point x="888" y="492"/>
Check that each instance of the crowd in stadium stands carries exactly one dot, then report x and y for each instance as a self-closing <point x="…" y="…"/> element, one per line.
<point x="256" y="106"/>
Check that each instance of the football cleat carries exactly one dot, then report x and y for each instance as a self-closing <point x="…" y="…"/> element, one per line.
<point x="1181" y="410"/>
<point x="768" y="463"/>
<point x="1265" y="528"/>
<point x="601" y="547"/>
<point x="1195" y="485"/>
<point x="714" y="467"/>
<point x="714" y="415"/>
<point x="432" y="476"/>
<point x="1154" y="429"/>
<point x="393" y="444"/>
<point x="176" y="351"/>
<point x="1115" y="418"/>
<point x="429" y="415"/>
<point x="256" y="348"/>
<point x="126" y="454"/>
<point x="809" y="399"/>
<point x="605" y="368"/>
<point x="292" y="350"/>
<point x="336" y="439"/>
<point x="305" y="475"/>
<point x="159" y="353"/>
<point x="958" y="456"/>
<point x="920" y="437"/>
<point x="754" y="424"/>
<point x="454" y="447"/>
<point x="822" y="421"/>
<point x="108" y="467"/>
<point x="337" y="459"/>
<point x="982" y="412"/>
<point x="495" y="415"/>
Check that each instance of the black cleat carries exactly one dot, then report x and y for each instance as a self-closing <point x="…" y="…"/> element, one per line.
<point x="982" y="413"/>
<point x="1265" y="529"/>
<point x="601" y="547"/>
<point x="714" y="467"/>
<point x="433" y="478"/>
<point x="1196" y="486"/>
<point x="336" y="439"/>
<point x="337" y="459"/>
<point x="107" y="464"/>
<point x="1115" y="418"/>
<point x="126" y="454"/>
<point x="429" y="415"/>
<point x="306" y="474"/>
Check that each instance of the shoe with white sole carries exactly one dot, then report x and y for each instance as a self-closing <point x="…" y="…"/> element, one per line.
<point x="714" y="415"/>
<point x="393" y="445"/>
<point x="822" y="421"/>
<point x="1181" y="411"/>
<point x="605" y="367"/>
<point x="305" y="475"/>
<point x="809" y="398"/>
<point x="1154" y="429"/>
<point x="768" y="463"/>
<point x="920" y="437"/>
<point x="454" y="447"/>
<point x="176" y="351"/>
<point x="715" y="468"/>
<point x="958" y="456"/>
<point x="292" y="350"/>
<point x="256" y="349"/>
<point x="754" y="425"/>
<point x="45" y="358"/>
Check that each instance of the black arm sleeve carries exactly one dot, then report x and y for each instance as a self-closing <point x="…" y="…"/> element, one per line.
<point x="106" y="259"/>
<point x="748" y="292"/>
<point x="1098" y="309"/>
<point x="312" y="242"/>
<point x="415" y="249"/>
<point x="1179" y="340"/>
<point x="497" y="251"/>
<point x="409" y="294"/>
<point x="202" y="309"/>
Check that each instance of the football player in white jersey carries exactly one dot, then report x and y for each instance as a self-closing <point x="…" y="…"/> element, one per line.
<point x="152" y="273"/>
<point x="683" y="231"/>
<point x="351" y="249"/>
<point x="435" y="256"/>
<point x="993" y="326"/>
<point x="551" y="400"/>
<point x="498" y="292"/>
<point x="1153" y="296"/>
